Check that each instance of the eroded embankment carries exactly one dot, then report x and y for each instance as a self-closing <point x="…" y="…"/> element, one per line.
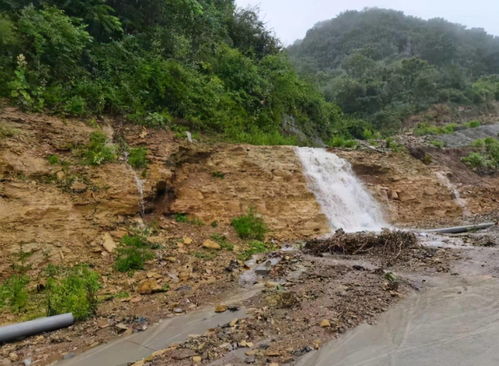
<point x="64" y="212"/>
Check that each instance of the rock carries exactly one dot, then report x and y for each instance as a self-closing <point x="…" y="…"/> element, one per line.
<point x="196" y="359"/>
<point x="121" y="327"/>
<point x="210" y="244"/>
<point x="220" y="308"/>
<point x="108" y="243"/>
<point x="325" y="323"/>
<point x="178" y="310"/>
<point x="27" y="362"/>
<point x="149" y="286"/>
<point x="13" y="356"/>
<point x="78" y="187"/>
<point x="245" y="344"/>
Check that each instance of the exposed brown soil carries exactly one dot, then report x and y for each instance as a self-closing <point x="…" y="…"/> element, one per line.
<point x="64" y="213"/>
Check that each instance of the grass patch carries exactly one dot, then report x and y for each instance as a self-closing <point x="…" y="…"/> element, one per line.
<point x="98" y="151"/>
<point x="342" y="142"/>
<point x="137" y="158"/>
<point x="14" y="293"/>
<point x="255" y="247"/>
<point x="206" y="254"/>
<point x="426" y="129"/>
<point x="250" y="226"/>
<point x="486" y="158"/>
<point x="6" y="132"/>
<point x="437" y="143"/>
<point x="72" y="290"/>
<point x="472" y="124"/>
<point x="132" y="254"/>
<point x="223" y="242"/>
<point x="218" y="175"/>
<point x="181" y="217"/>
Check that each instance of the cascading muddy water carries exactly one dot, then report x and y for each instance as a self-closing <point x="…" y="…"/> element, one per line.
<point x="342" y="197"/>
<point x="461" y="202"/>
<point x="139" y="183"/>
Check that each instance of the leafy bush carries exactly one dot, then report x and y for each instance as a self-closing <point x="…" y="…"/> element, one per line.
<point x="133" y="252"/>
<point x="426" y="129"/>
<point x="137" y="157"/>
<point x="473" y="124"/>
<point x="478" y="160"/>
<point x="487" y="158"/>
<point x="438" y="143"/>
<point x="250" y="226"/>
<point x="72" y="290"/>
<point x="342" y="142"/>
<point x="13" y="293"/>
<point x="255" y="247"/>
<point x="97" y="151"/>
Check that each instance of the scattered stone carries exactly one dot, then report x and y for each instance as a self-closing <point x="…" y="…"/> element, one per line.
<point x="121" y="327"/>
<point x="187" y="240"/>
<point x="233" y="308"/>
<point x="210" y="244"/>
<point x="13" y="356"/>
<point x="78" y="187"/>
<point x="178" y="310"/>
<point x="220" y="308"/>
<point x="246" y="344"/>
<point x="108" y="243"/>
<point x="325" y="323"/>
<point x="196" y="359"/>
<point x="27" y="362"/>
<point x="149" y="286"/>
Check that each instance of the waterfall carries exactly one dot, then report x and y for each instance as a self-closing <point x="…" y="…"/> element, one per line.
<point x="461" y="202"/>
<point x="342" y="197"/>
<point x="139" y="184"/>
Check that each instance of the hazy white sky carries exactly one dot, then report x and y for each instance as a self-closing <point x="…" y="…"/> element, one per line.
<point x="290" y="19"/>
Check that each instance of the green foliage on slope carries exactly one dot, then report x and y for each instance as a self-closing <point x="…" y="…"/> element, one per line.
<point x="201" y="64"/>
<point x="382" y="66"/>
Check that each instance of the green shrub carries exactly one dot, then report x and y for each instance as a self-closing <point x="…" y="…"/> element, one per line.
<point x="473" y="124"/>
<point x="488" y="156"/>
<point x="255" y="247"/>
<point x="218" y="175"/>
<point x="97" y="151"/>
<point x="137" y="157"/>
<point x="342" y="142"/>
<point x="72" y="290"/>
<point x="53" y="159"/>
<point x="13" y="293"/>
<point x="132" y="254"/>
<point x="180" y="217"/>
<point x="477" y="160"/>
<point x="250" y="226"/>
<point x="438" y="143"/>
<point x="427" y="129"/>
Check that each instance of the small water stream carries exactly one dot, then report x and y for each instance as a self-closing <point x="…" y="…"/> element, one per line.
<point x="343" y="199"/>
<point x="455" y="192"/>
<point x="139" y="184"/>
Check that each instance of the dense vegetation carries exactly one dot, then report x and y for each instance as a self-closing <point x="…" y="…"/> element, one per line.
<point x="382" y="66"/>
<point x="185" y="64"/>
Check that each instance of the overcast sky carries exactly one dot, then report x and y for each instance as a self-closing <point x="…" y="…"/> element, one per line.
<point x="290" y="19"/>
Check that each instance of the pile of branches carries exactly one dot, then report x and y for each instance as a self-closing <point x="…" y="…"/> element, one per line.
<point x="388" y="244"/>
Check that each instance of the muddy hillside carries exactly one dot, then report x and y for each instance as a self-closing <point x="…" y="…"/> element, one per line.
<point x="60" y="209"/>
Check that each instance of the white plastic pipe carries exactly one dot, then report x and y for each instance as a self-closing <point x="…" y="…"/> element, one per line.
<point x="20" y="330"/>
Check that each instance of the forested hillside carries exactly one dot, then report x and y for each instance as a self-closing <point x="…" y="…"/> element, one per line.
<point x="201" y="65"/>
<point x="383" y="66"/>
